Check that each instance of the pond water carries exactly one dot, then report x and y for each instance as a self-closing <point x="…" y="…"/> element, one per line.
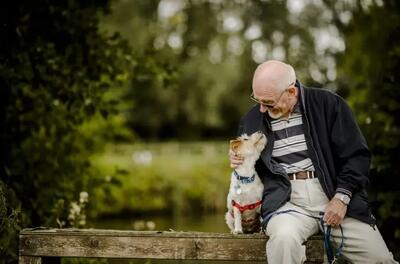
<point x="183" y="171"/>
<point x="204" y="223"/>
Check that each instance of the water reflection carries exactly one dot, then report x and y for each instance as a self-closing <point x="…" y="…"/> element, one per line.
<point x="202" y="223"/>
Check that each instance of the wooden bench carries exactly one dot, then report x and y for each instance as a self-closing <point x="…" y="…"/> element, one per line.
<point x="50" y="245"/>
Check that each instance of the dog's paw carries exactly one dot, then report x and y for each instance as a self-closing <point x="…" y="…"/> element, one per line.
<point x="237" y="231"/>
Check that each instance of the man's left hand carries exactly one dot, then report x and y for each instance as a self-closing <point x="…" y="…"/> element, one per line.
<point x="335" y="212"/>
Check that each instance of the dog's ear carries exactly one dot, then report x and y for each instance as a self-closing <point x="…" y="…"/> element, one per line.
<point x="234" y="144"/>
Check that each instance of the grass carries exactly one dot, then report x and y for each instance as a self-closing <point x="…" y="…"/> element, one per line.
<point x="169" y="177"/>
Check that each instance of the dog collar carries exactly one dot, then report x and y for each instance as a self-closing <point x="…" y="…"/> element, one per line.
<point x="244" y="179"/>
<point x="246" y="207"/>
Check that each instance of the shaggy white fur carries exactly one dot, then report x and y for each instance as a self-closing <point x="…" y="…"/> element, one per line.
<point x="245" y="191"/>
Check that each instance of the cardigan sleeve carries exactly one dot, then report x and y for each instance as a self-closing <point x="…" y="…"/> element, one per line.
<point x="353" y="155"/>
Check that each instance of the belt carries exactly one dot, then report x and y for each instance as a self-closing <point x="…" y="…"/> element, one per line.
<point x="301" y="175"/>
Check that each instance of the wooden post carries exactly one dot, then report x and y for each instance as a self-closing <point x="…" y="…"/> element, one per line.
<point x="30" y="260"/>
<point x="39" y="260"/>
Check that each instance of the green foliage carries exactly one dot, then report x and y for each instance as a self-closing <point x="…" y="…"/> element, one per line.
<point x="69" y="89"/>
<point x="55" y="68"/>
<point x="369" y="76"/>
<point x="187" y="177"/>
<point x="83" y="261"/>
<point x="10" y="213"/>
<point x="201" y="84"/>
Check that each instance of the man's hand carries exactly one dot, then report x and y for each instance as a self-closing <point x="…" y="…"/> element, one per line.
<point x="335" y="212"/>
<point x="234" y="159"/>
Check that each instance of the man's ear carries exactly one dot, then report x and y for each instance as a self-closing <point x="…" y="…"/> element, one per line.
<point x="292" y="90"/>
<point x="234" y="144"/>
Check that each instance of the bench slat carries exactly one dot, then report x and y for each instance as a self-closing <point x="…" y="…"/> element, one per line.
<point x="152" y="245"/>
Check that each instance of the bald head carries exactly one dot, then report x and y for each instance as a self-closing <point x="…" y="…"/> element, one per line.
<point x="273" y="75"/>
<point x="274" y="89"/>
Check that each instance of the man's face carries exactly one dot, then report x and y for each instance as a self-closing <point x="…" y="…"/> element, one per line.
<point x="274" y="101"/>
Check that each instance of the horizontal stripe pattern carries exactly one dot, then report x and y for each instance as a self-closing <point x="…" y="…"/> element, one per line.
<point x="290" y="148"/>
<point x="294" y="120"/>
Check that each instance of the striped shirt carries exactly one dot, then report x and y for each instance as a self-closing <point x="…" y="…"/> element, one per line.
<point x="290" y="148"/>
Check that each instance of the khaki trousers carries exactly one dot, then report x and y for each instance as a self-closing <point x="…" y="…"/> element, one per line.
<point x="287" y="232"/>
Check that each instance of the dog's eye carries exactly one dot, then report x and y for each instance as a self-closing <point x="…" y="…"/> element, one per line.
<point x="246" y="139"/>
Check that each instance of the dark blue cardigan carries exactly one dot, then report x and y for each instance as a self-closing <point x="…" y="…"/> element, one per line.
<point x="336" y="147"/>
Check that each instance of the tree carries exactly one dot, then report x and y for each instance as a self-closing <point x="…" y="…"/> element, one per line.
<point x="368" y="74"/>
<point x="55" y="67"/>
<point x="211" y="49"/>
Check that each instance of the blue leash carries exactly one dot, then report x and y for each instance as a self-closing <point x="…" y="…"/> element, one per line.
<point x="325" y="229"/>
<point x="327" y="242"/>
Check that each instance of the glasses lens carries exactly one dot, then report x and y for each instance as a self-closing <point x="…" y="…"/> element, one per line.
<point x="258" y="102"/>
<point x="265" y="105"/>
<point x="253" y="98"/>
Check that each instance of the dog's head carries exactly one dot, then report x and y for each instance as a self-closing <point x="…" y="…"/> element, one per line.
<point x="249" y="146"/>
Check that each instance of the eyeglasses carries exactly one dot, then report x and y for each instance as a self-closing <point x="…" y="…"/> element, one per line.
<point x="268" y="105"/>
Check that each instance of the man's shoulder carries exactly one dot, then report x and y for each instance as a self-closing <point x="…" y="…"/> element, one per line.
<point x="321" y="96"/>
<point x="318" y="92"/>
<point x="253" y="113"/>
<point x="251" y="121"/>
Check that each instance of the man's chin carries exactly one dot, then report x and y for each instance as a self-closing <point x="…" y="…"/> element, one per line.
<point x="275" y="115"/>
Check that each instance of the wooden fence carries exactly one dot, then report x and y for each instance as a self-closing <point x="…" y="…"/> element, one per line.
<point x="50" y="245"/>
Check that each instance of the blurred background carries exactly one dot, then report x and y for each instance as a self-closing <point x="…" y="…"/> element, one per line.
<point x="117" y="113"/>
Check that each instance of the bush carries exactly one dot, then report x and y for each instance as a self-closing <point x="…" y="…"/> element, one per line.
<point x="55" y="67"/>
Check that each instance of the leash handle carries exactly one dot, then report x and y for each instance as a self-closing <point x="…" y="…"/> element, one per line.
<point x="328" y="244"/>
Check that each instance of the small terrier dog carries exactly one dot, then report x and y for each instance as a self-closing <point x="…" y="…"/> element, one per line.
<point x="245" y="191"/>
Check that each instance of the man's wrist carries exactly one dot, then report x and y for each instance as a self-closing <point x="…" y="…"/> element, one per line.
<point x="344" y="198"/>
<point x="344" y="191"/>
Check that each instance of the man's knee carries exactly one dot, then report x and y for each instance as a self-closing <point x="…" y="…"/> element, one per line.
<point x="285" y="234"/>
<point x="373" y="256"/>
<point x="285" y="246"/>
<point x="381" y="257"/>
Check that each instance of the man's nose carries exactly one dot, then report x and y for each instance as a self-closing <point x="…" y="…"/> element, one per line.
<point x="263" y="108"/>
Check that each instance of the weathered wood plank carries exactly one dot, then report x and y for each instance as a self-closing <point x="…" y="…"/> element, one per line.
<point x="151" y="245"/>
<point x="29" y="260"/>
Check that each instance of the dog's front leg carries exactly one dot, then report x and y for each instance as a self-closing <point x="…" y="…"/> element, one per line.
<point x="238" y="221"/>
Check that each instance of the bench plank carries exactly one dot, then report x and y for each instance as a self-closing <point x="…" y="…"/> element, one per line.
<point x="29" y="260"/>
<point x="152" y="245"/>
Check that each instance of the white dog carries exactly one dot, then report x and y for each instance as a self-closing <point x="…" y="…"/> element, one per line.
<point x="245" y="191"/>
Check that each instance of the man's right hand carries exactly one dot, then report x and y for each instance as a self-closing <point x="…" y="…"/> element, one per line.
<point x="235" y="160"/>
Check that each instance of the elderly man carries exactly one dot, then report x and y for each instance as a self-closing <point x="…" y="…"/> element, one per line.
<point x="316" y="160"/>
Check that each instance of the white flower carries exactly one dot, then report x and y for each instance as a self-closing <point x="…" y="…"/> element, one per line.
<point x="83" y="197"/>
<point x="139" y="225"/>
<point x="74" y="211"/>
<point x="75" y="208"/>
<point x="150" y="225"/>
<point x="60" y="223"/>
